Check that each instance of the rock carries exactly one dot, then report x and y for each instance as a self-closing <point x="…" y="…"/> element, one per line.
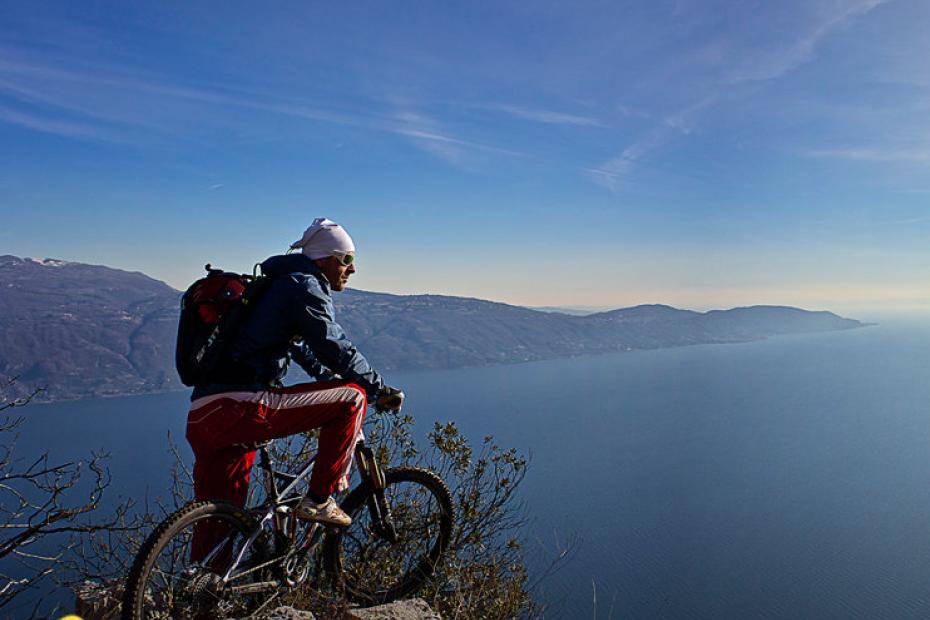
<point x="413" y="609"/>
<point x="284" y="613"/>
<point x="94" y="601"/>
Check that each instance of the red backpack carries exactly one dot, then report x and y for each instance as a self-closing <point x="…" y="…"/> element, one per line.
<point x="212" y="310"/>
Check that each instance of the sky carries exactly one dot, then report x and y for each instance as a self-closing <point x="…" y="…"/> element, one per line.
<point x="699" y="153"/>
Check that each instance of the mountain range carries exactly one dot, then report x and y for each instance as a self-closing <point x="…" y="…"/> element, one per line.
<point x="85" y="331"/>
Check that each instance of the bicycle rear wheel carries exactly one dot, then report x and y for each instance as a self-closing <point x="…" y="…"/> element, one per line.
<point x="378" y="566"/>
<point x="163" y="583"/>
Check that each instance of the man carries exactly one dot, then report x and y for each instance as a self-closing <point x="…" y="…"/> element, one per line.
<point x="246" y="403"/>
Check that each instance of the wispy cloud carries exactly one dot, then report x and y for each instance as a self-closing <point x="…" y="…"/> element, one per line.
<point x="544" y="116"/>
<point x="913" y="220"/>
<point x="428" y="133"/>
<point x="874" y="154"/>
<point x="629" y="112"/>
<point x="778" y="60"/>
<point x="684" y="121"/>
<point x="730" y="65"/>
<point x="66" y="90"/>
<point x="610" y="174"/>
<point x="102" y="95"/>
<point x="53" y="126"/>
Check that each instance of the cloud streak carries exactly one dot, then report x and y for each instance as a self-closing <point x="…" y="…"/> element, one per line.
<point x="544" y="116"/>
<point x="755" y="65"/>
<point x="65" y="90"/>
<point x="428" y="134"/>
<point x="873" y="154"/>
<point x="769" y="65"/>
<point x="53" y="126"/>
<point x="611" y="173"/>
<point x="425" y="133"/>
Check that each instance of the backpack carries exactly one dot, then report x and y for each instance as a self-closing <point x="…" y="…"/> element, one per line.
<point x="212" y="311"/>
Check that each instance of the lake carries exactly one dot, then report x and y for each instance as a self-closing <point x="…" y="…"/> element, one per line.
<point x="783" y="478"/>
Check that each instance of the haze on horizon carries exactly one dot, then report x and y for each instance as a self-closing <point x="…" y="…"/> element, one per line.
<point x="699" y="154"/>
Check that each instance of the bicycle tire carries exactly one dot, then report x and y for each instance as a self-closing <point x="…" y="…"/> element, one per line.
<point x="186" y="592"/>
<point x="373" y="570"/>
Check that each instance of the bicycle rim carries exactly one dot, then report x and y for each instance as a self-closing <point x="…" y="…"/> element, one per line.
<point x="164" y="583"/>
<point x="371" y="567"/>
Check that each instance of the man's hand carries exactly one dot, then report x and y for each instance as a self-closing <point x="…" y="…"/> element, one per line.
<point x="389" y="399"/>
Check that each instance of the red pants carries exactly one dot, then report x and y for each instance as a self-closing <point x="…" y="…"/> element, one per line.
<point x="218" y="425"/>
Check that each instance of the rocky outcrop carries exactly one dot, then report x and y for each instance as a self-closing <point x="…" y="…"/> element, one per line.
<point x="285" y="613"/>
<point x="413" y="609"/>
<point x="94" y="601"/>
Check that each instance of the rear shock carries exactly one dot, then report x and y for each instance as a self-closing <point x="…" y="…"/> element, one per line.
<point x="380" y="511"/>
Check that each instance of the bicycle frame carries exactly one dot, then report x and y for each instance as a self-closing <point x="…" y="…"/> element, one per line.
<point x="277" y="510"/>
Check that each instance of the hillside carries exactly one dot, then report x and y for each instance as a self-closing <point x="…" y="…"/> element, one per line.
<point x="87" y="330"/>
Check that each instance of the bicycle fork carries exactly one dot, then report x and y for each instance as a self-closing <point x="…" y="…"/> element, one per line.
<point x="372" y="474"/>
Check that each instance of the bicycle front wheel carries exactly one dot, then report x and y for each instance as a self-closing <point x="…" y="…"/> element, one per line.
<point x="164" y="583"/>
<point x="378" y="561"/>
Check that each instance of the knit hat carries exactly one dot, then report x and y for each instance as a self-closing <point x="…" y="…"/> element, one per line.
<point x="324" y="238"/>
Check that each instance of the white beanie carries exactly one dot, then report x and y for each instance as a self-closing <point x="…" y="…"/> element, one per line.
<point x="324" y="238"/>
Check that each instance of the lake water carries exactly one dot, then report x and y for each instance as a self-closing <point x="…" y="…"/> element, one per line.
<point x="787" y="478"/>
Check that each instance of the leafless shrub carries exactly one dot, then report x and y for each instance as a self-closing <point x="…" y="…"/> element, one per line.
<point x="484" y="575"/>
<point x="45" y="508"/>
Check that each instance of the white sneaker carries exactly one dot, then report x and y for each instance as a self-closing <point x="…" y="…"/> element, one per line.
<point x="327" y="512"/>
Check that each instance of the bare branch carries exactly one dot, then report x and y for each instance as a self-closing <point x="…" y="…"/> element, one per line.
<point x="16" y="402"/>
<point x="43" y="502"/>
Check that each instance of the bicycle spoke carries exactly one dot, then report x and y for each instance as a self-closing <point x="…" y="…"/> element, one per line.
<point x="169" y="585"/>
<point x="381" y="560"/>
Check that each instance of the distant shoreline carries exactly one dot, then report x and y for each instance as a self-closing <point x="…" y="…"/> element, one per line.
<point x="59" y="401"/>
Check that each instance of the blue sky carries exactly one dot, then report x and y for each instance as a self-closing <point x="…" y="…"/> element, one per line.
<point x="691" y="152"/>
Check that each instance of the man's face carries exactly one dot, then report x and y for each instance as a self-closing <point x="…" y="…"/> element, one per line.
<point x="337" y="273"/>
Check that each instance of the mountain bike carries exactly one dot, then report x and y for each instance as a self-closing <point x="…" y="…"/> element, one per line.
<point x="402" y="521"/>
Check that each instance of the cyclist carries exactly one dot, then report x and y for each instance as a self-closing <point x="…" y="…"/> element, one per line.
<point x="247" y="404"/>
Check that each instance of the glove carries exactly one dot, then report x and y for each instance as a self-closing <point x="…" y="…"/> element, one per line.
<point x="320" y="372"/>
<point x="389" y="399"/>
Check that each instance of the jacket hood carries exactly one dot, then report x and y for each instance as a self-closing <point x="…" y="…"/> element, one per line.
<point x="289" y="263"/>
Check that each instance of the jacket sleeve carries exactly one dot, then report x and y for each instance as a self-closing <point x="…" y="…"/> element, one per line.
<point x="328" y="343"/>
<point x="306" y="359"/>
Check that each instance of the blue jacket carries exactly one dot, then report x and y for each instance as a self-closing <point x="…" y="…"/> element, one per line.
<point x="293" y="319"/>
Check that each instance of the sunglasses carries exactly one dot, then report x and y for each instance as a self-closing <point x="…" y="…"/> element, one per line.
<point x="345" y="259"/>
